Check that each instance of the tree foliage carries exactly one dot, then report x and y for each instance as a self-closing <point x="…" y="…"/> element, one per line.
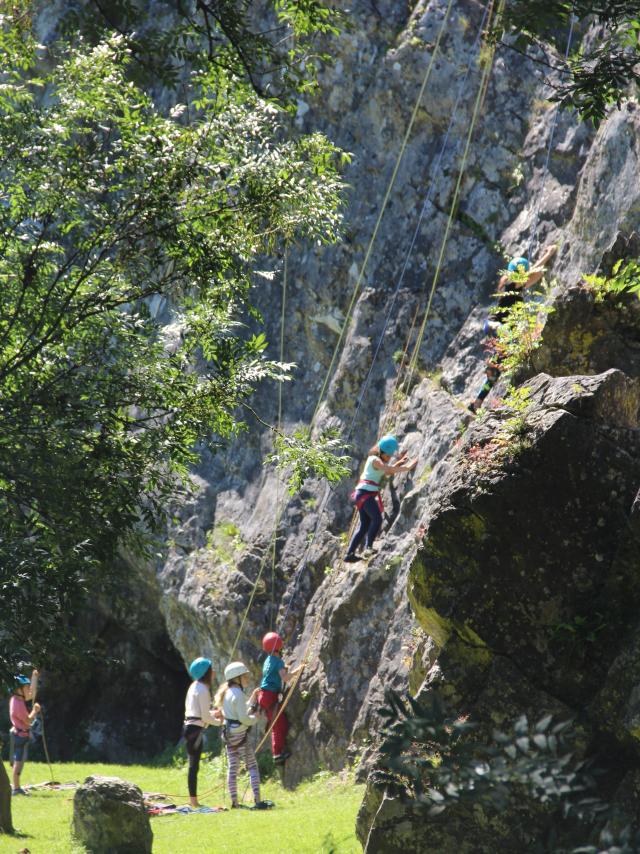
<point x="601" y="71"/>
<point x="304" y="456"/>
<point x="272" y="46"/>
<point x="432" y="759"/>
<point x="127" y="236"/>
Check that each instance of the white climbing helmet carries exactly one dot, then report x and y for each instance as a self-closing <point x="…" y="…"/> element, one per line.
<point x="234" y="670"/>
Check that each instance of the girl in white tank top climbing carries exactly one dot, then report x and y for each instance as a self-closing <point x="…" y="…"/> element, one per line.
<point x="366" y="495"/>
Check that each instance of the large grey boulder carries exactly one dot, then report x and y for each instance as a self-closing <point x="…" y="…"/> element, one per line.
<point x="109" y="817"/>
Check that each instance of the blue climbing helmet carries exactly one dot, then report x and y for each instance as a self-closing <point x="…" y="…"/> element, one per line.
<point x="516" y="263"/>
<point x="199" y="667"/>
<point x="388" y="445"/>
<point x="22" y="680"/>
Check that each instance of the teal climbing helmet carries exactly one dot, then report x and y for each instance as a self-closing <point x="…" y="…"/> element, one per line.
<point x="388" y="445"/>
<point x="199" y="667"/>
<point x="516" y="263"/>
<point x="23" y="680"/>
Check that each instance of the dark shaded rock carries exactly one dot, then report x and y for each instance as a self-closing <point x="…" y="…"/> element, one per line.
<point x="528" y="581"/>
<point x="124" y="700"/>
<point x="625" y="247"/>
<point x="587" y="336"/>
<point x="519" y="556"/>
<point x="109" y="817"/>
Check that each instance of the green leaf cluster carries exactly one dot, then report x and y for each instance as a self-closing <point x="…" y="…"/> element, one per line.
<point x="599" y="74"/>
<point x="625" y="279"/>
<point x="276" y="48"/>
<point x="127" y="240"/>
<point x="433" y="759"/>
<point x="306" y="456"/>
<point x="520" y="332"/>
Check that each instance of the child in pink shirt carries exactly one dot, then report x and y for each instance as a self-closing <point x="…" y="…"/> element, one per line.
<point x="21" y="720"/>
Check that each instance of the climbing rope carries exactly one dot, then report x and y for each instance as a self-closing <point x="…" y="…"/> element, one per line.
<point x="456" y="195"/>
<point x="545" y="171"/>
<point x="44" y="734"/>
<point x="428" y="198"/>
<point x="279" y="506"/>
<point x="292" y="687"/>
<point x="279" y="425"/>
<point x="290" y="692"/>
<point x="479" y="101"/>
<point x="354" y="296"/>
<point x="488" y="10"/>
<point x="383" y="208"/>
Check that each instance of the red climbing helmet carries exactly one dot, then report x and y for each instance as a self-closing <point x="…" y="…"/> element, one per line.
<point x="272" y="642"/>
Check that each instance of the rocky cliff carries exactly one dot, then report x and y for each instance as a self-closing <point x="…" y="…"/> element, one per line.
<point x="479" y="544"/>
<point x="369" y="637"/>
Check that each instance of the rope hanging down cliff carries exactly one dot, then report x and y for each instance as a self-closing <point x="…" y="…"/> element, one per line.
<point x="478" y="104"/>
<point x="545" y="171"/>
<point x="435" y="176"/>
<point x="387" y="195"/>
<point x="456" y="196"/>
<point x="356" y="290"/>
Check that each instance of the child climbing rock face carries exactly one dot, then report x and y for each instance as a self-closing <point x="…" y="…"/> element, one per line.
<point x="231" y="701"/>
<point x="21" y="720"/>
<point x="366" y="495"/>
<point x="509" y="293"/>
<point x="198" y="715"/>
<point x="274" y="676"/>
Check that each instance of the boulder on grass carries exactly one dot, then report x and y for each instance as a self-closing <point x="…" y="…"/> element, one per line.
<point x="109" y="817"/>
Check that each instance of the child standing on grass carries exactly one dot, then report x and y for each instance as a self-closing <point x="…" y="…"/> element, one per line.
<point x="21" y="720"/>
<point x="231" y="701"/>
<point x="274" y="675"/>
<point x="198" y="715"/>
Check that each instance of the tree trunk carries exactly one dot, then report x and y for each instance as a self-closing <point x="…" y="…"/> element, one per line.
<point x="6" y="825"/>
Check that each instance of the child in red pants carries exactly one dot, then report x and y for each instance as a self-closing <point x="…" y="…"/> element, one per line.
<point x="274" y="675"/>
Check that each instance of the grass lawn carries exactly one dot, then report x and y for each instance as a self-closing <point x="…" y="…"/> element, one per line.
<point x="319" y="816"/>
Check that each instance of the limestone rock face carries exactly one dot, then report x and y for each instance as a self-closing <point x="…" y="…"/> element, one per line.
<point x="223" y="541"/>
<point x="109" y="817"/>
<point x="224" y="551"/>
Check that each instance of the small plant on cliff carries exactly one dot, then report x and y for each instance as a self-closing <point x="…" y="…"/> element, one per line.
<point x="431" y="758"/>
<point x="512" y="436"/>
<point x="624" y="280"/>
<point x="305" y="456"/>
<point x="515" y="429"/>
<point x="520" y="334"/>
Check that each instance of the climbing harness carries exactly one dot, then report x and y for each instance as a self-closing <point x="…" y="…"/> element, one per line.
<point x="360" y="496"/>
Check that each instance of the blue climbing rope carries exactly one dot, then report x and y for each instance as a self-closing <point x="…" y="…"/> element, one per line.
<point x="545" y="171"/>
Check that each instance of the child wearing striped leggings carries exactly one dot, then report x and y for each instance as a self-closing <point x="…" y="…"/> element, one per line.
<point x="230" y="699"/>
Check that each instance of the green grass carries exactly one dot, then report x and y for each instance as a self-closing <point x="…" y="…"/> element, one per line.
<point x="319" y="816"/>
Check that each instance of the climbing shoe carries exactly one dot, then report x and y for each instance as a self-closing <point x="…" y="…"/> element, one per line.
<point x="264" y="805"/>
<point x="351" y="558"/>
<point x="369" y="553"/>
<point x="281" y="758"/>
<point x="19" y="791"/>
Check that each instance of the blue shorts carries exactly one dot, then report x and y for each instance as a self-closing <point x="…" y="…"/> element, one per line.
<point x="20" y="745"/>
